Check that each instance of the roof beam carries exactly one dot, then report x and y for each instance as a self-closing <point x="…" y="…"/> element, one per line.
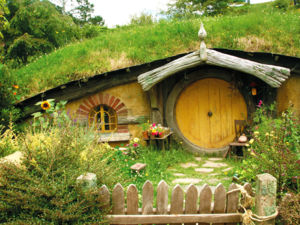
<point x="272" y="75"/>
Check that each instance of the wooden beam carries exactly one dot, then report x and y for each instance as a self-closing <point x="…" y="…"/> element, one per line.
<point x="272" y="75"/>
<point x="183" y="218"/>
<point x="124" y="120"/>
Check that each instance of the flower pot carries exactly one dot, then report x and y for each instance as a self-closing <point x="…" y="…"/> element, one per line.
<point x="161" y="135"/>
<point x="145" y="135"/>
<point x="243" y="139"/>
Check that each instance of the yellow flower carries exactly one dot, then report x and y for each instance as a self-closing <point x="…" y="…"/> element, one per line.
<point x="287" y="143"/>
<point x="267" y="134"/>
<point x="146" y="174"/>
<point x="256" y="133"/>
<point x="45" y="105"/>
<point x="225" y="172"/>
<point x="16" y="86"/>
<point x="252" y="153"/>
<point x="136" y="140"/>
<point x="251" y="141"/>
<point x="247" y="145"/>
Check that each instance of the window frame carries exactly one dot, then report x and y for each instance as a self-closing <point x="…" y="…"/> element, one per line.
<point x="102" y="112"/>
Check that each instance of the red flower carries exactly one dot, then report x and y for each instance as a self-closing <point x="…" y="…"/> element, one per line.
<point x="15" y="93"/>
<point x="135" y="145"/>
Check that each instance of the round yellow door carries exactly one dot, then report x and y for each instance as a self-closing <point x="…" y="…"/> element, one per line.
<point x="206" y="110"/>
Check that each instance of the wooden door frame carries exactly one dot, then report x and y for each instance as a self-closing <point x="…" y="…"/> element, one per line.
<point x="170" y="112"/>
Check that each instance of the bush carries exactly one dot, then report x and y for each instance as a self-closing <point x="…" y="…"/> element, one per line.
<point x="43" y="189"/>
<point x="9" y="94"/>
<point x="289" y="209"/>
<point x="90" y="31"/>
<point x="274" y="147"/>
<point x="281" y="4"/>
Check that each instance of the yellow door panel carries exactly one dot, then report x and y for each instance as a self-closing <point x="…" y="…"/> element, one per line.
<point x="206" y="110"/>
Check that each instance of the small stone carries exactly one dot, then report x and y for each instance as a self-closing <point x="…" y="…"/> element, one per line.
<point x="187" y="165"/>
<point x="204" y="170"/>
<point x="198" y="159"/>
<point x="138" y="166"/>
<point x="179" y="174"/>
<point x="186" y="181"/>
<point x="213" y="181"/>
<point x="227" y="169"/>
<point x="15" y="158"/>
<point x="88" y="180"/>
<point x="215" y="159"/>
<point x="214" y="164"/>
<point x="214" y="174"/>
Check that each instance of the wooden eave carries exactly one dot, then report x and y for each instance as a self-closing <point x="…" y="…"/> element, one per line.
<point x="271" y="74"/>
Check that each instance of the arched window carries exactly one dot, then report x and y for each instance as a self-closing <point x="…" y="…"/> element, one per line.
<point x="103" y="118"/>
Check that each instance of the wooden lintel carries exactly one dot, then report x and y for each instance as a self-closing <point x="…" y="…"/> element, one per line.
<point x="177" y="218"/>
<point x="123" y="120"/>
<point x="272" y="75"/>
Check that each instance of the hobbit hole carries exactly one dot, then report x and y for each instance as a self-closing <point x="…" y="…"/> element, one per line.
<point x="199" y="95"/>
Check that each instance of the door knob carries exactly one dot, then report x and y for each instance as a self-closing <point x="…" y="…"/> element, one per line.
<point x="209" y="113"/>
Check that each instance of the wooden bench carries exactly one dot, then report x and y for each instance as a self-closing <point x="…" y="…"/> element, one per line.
<point x="160" y="142"/>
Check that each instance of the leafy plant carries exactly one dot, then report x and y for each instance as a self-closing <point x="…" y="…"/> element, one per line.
<point x="43" y="189"/>
<point x="282" y="4"/>
<point x="274" y="147"/>
<point x="289" y="209"/>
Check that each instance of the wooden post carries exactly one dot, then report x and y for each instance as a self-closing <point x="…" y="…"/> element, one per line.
<point x="265" y="199"/>
<point x="202" y="35"/>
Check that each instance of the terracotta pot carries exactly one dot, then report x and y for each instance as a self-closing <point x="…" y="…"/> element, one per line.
<point x="161" y="135"/>
<point x="243" y="138"/>
<point x="145" y="135"/>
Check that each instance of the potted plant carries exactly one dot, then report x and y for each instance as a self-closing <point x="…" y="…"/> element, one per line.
<point x="146" y="127"/>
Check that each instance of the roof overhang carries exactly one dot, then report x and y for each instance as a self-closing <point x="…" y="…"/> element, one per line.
<point x="272" y="75"/>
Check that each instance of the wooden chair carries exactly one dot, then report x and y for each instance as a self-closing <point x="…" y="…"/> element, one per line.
<point x="239" y="126"/>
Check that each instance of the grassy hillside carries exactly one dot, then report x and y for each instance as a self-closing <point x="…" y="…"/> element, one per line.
<point x="251" y="28"/>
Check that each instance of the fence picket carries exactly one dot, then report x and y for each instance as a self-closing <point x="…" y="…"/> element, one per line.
<point x="191" y="201"/>
<point x="118" y="200"/>
<point x="104" y="198"/>
<point x="220" y="200"/>
<point x="177" y="201"/>
<point x="147" y="207"/>
<point x="205" y="201"/>
<point x="162" y="198"/>
<point x="132" y="200"/>
<point x="232" y="201"/>
<point x="248" y="188"/>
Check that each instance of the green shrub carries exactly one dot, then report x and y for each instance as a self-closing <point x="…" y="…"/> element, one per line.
<point x="289" y="209"/>
<point x="43" y="189"/>
<point x="282" y="4"/>
<point x="9" y="94"/>
<point x="274" y="147"/>
<point x="91" y="31"/>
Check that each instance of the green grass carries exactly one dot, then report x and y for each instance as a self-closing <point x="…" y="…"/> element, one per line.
<point x="161" y="165"/>
<point x="251" y="28"/>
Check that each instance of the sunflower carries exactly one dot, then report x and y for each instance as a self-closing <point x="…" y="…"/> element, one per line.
<point x="45" y="105"/>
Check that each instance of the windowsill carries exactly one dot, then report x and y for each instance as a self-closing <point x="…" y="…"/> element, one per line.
<point x="114" y="137"/>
